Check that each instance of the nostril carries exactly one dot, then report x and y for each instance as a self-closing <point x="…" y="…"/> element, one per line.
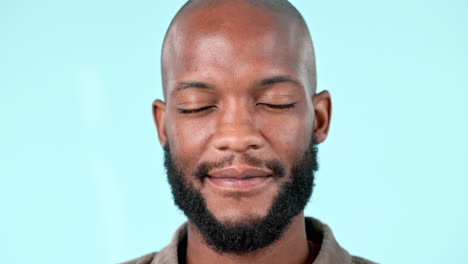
<point x="238" y="140"/>
<point x="254" y="146"/>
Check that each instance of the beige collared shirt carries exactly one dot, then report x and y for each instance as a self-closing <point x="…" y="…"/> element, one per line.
<point x="330" y="252"/>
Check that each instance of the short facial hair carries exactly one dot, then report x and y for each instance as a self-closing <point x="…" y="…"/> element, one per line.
<point x="256" y="232"/>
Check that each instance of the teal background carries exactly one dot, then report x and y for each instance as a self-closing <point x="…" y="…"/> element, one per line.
<point x="81" y="169"/>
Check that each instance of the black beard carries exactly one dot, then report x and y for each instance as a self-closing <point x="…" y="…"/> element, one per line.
<point x="253" y="233"/>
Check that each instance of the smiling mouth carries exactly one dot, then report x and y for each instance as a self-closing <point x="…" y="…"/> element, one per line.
<point x="239" y="184"/>
<point x="239" y="178"/>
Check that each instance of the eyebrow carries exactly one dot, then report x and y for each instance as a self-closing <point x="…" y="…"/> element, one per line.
<point x="278" y="79"/>
<point x="263" y="82"/>
<point x="186" y="85"/>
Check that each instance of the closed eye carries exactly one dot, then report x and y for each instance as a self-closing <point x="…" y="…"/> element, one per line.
<point x="276" y="106"/>
<point x="194" y="111"/>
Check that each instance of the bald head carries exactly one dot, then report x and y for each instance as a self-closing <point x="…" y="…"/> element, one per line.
<point x="255" y="28"/>
<point x="239" y="85"/>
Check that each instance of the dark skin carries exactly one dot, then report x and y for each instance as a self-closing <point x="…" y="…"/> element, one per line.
<point x="235" y="85"/>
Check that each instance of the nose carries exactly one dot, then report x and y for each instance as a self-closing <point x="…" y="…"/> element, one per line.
<point x="236" y="131"/>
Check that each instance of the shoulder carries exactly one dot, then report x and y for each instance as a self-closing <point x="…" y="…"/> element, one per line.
<point x="330" y="251"/>
<point x="359" y="260"/>
<point x="146" y="259"/>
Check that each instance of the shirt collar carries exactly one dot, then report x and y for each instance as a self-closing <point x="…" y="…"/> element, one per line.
<point x="330" y="252"/>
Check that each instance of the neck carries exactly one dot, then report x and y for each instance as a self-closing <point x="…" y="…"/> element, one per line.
<point x="294" y="239"/>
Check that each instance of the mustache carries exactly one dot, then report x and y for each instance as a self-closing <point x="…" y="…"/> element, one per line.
<point x="277" y="168"/>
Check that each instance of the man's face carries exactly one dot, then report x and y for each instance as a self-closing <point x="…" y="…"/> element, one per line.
<point x="238" y="110"/>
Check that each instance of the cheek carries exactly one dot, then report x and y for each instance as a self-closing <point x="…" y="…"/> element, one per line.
<point x="289" y="137"/>
<point x="188" y="139"/>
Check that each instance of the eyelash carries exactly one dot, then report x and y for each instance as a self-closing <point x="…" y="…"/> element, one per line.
<point x="286" y="106"/>
<point x="194" y="111"/>
<point x="198" y="110"/>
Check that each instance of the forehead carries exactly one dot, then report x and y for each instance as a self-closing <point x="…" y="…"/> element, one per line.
<point x="234" y="41"/>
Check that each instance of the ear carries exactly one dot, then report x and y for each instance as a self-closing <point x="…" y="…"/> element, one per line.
<point x="159" y="113"/>
<point x="322" y="108"/>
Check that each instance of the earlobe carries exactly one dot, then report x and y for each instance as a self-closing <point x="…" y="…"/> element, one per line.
<point x="159" y="113"/>
<point x="322" y="107"/>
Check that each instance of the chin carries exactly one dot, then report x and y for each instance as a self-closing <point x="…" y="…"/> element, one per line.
<point x="238" y="217"/>
<point x="239" y="210"/>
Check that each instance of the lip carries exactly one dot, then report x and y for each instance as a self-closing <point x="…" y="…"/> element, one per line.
<point x="239" y="178"/>
<point x="239" y="172"/>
